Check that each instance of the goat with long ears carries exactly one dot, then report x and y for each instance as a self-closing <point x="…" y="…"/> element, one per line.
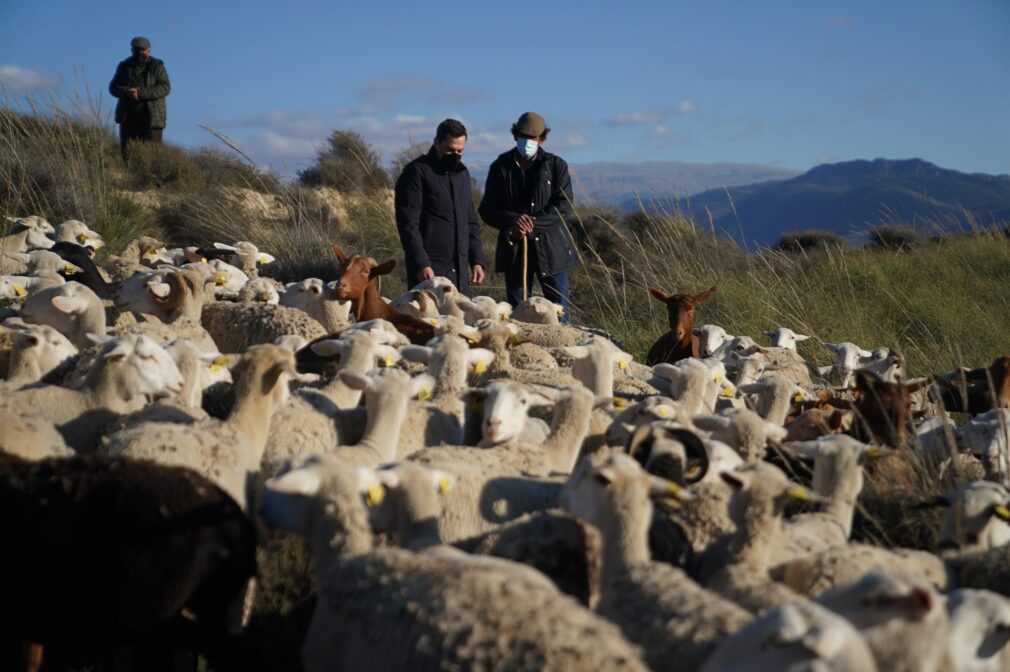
<point x="359" y="284"/>
<point x="680" y="342"/>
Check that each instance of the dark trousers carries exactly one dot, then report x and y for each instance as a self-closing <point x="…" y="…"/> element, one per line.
<point x="554" y="287"/>
<point x="131" y="132"/>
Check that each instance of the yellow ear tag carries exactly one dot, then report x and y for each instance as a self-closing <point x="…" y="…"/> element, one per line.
<point x="443" y="485"/>
<point x="1003" y="512"/>
<point x="432" y="321"/>
<point x="479" y="366"/>
<point x="69" y="269"/>
<point x="203" y="260"/>
<point x="389" y="361"/>
<point x="797" y="493"/>
<point x="219" y="363"/>
<point x="561" y="312"/>
<point x="623" y="365"/>
<point x="18" y="290"/>
<point x="514" y="339"/>
<point x="663" y="411"/>
<point x="262" y="259"/>
<point x="873" y="451"/>
<point x="503" y="316"/>
<point x="375" y="495"/>
<point x="799" y="398"/>
<point x="620" y="403"/>
<point x="83" y="237"/>
<point x="424" y="394"/>
<point x="150" y="252"/>
<point x="718" y="378"/>
<point x="673" y="488"/>
<point x="727" y="391"/>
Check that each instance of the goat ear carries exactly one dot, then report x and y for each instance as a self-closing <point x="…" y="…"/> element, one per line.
<point x="666" y="371"/>
<point x="222" y="246"/>
<point x="339" y="252"/>
<point x="704" y="295"/>
<point x="734" y="479"/>
<point x="659" y="294"/>
<point x="383" y="268"/>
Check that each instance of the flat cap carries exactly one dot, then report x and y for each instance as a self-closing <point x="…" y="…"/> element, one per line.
<point x="140" y="43"/>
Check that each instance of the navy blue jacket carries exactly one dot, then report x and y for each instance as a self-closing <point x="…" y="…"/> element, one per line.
<point x="437" y="220"/>
<point x="546" y="194"/>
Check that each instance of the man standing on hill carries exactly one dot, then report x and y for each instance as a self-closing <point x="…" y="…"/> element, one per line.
<point x="529" y="196"/>
<point x="141" y="85"/>
<point x="435" y="214"/>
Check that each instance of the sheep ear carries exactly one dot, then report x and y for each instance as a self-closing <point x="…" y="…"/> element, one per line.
<point x="69" y="304"/>
<point x="305" y="482"/>
<point x="382" y="269"/>
<point x="473" y="394"/>
<point x="331" y="347"/>
<point x="354" y="380"/>
<point x="339" y="252"/>
<point x="734" y="479"/>
<point x="577" y="351"/>
<point x="751" y="388"/>
<point x="830" y="346"/>
<point x="865" y="353"/>
<point x="222" y="246"/>
<point x="667" y="371"/>
<point x="801" y="494"/>
<point x="417" y="353"/>
<point x="800" y="337"/>
<point x="421" y="385"/>
<point x="605" y="475"/>
<point x="98" y="339"/>
<point x="442" y="481"/>
<point x="23" y="257"/>
<point x="160" y="290"/>
<point x="809" y="450"/>
<point x="710" y="423"/>
<point x="659" y="294"/>
<point x="700" y="298"/>
<point x="265" y="258"/>
<point x="479" y="359"/>
<point x="600" y="401"/>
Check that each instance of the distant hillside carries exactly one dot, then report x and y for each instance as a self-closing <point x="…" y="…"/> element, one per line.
<point x="618" y="183"/>
<point x="848" y="198"/>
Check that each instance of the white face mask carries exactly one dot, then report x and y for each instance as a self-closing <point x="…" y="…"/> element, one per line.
<point x="527" y="148"/>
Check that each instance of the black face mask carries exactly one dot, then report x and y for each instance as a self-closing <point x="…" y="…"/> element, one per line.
<point x="449" y="162"/>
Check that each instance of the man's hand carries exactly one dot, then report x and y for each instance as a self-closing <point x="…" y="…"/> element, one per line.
<point x="476" y="274"/>
<point x="525" y="224"/>
<point x="134" y="93"/>
<point x="425" y="273"/>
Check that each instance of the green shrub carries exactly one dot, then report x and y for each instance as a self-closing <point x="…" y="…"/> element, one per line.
<point x="809" y="240"/>
<point x="405" y="156"/>
<point x="348" y="164"/>
<point x="894" y="237"/>
<point x="154" y="165"/>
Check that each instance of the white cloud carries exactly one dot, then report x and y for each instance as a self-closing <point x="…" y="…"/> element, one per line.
<point x="382" y="94"/>
<point x="16" y="79"/>
<point x="653" y="115"/>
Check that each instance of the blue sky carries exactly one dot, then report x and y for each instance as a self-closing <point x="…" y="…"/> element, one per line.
<point x="790" y="84"/>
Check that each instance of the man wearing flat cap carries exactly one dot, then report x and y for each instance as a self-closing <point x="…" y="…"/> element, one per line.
<point x="529" y="196"/>
<point x="141" y="85"/>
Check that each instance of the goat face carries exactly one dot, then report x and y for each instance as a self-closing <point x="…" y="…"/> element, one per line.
<point x="355" y="274"/>
<point x="680" y="310"/>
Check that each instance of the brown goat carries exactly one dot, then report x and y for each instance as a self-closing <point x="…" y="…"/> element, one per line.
<point x="359" y="284"/>
<point x="680" y="342"/>
<point x="884" y="408"/>
<point x="979" y="390"/>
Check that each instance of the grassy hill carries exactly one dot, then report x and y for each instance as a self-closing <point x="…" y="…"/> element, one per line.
<point x="944" y="301"/>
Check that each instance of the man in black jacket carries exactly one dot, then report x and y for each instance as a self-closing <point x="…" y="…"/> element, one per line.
<point x="141" y="85"/>
<point x="529" y="195"/>
<point x="435" y="214"/>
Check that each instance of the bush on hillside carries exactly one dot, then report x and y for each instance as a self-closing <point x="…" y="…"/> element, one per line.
<point x="809" y="240"/>
<point x="348" y="164"/>
<point x="893" y="237"/>
<point x="405" y="156"/>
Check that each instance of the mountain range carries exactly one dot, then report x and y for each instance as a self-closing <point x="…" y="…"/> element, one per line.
<point x="851" y="197"/>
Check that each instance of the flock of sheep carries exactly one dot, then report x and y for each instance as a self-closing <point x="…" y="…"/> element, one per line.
<point x="480" y="488"/>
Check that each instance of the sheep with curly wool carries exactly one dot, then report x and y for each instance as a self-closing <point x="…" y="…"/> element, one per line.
<point x="227" y="452"/>
<point x="901" y="617"/>
<point x="29" y="437"/>
<point x="795" y="636"/>
<point x="676" y="622"/>
<point x="446" y="611"/>
<point x="125" y="371"/>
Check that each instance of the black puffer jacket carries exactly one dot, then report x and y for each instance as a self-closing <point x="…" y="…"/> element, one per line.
<point x="546" y="195"/>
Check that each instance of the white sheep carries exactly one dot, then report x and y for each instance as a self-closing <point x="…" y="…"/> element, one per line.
<point x="794" y="636"/>
<point x="504" y="408"/>
<point x="741" y="429"/>
<point x="849" y="358"/>
<point x="979" y="630"/>
<point x="79" y="233"/>
<point x="773" y="396"/>
<point x="72" y="309"/>
<point x="468" y="614"/>
<point x="17" y="287"/>
<point x="675" y="621"/>
<point x="227" y="452"/>
<point x="38" y="350"/>
<point x="710" y="338"/>
<point x="977" y="517"/>
<point x="593" y="363"/>
<point x="125" y="371"/>
<point x="987" y="437"/>
<point x="901" y="617"/>
<point x="29" y="437"/>
<point x="140" y="255"/>
<point x="783" y="337"/>
<point x="318" y="299"/>
<point x="538" y="310"/>
<point x="260" y="290"/>
<point x="246" y="256"/>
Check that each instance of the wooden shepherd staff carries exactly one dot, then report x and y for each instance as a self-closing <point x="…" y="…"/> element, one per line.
<point x="526" y="251"/>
